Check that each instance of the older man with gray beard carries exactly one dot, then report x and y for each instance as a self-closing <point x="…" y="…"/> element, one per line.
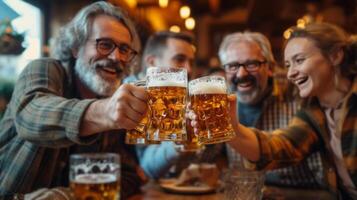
<point x="75" y="104"/>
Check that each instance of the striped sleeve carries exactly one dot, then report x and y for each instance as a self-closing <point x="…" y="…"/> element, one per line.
<point x="43" y="115"/>
<point x="284" y="147"/>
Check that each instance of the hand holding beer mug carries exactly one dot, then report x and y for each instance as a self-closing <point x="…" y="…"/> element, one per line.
<point x="167" y="103"/>
<point x="138" y="135"/>
<point x="95" y="176"/>
<point x="209" y="101"/>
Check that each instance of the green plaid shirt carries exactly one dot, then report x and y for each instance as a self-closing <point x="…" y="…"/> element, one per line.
<point x="308" y="133"/>
<point x="276" y="112"/>
<point x="40" y="129"/>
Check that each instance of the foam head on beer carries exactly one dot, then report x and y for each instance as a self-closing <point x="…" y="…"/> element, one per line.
<point x="166" y="77"/>
<point x="165" y="83"/>
<point x="208" y="86"/>
<point x="99" y="178"/>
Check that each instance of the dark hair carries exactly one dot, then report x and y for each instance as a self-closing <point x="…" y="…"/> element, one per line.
<point x="329" y="38"/>
<point x="157" y="42"/>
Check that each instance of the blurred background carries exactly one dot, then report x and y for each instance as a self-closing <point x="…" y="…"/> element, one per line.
<point x="33" y="24"/>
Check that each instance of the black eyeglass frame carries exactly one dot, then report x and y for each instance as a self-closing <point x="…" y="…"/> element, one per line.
<point x="124" y="49"/>
<point x="249" y="66"/>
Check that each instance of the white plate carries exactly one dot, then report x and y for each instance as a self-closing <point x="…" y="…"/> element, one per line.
<point x="170" y="186"/>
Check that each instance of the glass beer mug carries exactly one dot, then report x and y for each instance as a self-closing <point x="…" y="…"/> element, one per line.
<point x="95" y="176"/>
<point x="208" y="97"/>
<point x="138" y="134"/>
<point x="191" y="144"/>
<point x="167" y="89"/>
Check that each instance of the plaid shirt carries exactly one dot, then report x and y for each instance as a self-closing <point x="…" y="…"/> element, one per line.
<point x="40" y="129"/>
<point x="307" y="133"/>
<point x="276" y="113"/>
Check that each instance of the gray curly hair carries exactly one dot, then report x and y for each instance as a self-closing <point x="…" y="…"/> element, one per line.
<point x="76" y="32"/>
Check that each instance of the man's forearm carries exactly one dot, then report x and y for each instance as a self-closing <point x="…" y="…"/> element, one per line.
<point x="94" y="119"/>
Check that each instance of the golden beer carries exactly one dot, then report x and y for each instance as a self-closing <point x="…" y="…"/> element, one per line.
<point x="191" y="144"/>
<point x="96" y="186"/>
<point x="167" y="89"/>
<point x="167" y="107"/>
<point x="95" y="176"/>
<point x="137" y="135"/>
<point x="209" y="101"/>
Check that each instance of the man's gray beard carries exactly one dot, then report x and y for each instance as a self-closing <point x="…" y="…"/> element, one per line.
<point x="247" y="97"/>
<point x="252" y="97"/>
<point x="89" y="77"/>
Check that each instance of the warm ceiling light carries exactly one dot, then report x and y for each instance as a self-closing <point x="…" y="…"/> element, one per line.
<point x="131" y="3"/>
<point x="287" y="33"/>
<point x="163" y="3"/>
<point x="175" y="29"/>
<point x="301" y="23"/>
<point x="190" y="23"/>
<point x="185" y="12"/>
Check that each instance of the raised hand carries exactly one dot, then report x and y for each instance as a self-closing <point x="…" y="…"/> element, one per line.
<point x="127" y="106"/>
<point x="123" y="110"/>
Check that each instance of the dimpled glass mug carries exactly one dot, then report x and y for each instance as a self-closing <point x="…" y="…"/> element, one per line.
<point x="208" y="96"/>
<point x="95" y="176"/>
<point x="167" y="88"/>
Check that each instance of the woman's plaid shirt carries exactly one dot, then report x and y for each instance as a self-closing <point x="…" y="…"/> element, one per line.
<point x="309" y="172"/>
<point x="276" y="113"/>
<point x="308" y="133"/>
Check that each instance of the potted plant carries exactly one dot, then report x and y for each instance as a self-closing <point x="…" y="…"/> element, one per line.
<point x="10" y="40"/>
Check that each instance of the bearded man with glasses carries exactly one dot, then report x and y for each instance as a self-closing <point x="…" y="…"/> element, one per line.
<point x="249" y="62"/>
<point x="76" y="103"/>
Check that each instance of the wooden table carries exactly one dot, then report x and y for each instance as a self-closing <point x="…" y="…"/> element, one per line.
<point x="152" y="191"/>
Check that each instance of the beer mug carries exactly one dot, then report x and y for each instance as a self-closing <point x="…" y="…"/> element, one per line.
<point x="95" y="176"/>
<point x="138" y="135"/>
<point x="209" y="101"/>
<point x="167" y="88"/>
<point x="191" y="144"/>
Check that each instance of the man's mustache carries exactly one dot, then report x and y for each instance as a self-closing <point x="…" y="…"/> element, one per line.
<point x="248" y="78"/>
<point x="117" y="66"/>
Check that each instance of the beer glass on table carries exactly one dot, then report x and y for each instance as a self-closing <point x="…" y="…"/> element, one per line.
<point x="167" y="88"/>
<point x="243" y="185"/>
<point x="95" y="176"/>
<point x="209" y="101"/>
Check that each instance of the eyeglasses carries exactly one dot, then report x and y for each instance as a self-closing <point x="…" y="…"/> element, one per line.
<point x="106" y="46"/>
<point x="249" y="66"/>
